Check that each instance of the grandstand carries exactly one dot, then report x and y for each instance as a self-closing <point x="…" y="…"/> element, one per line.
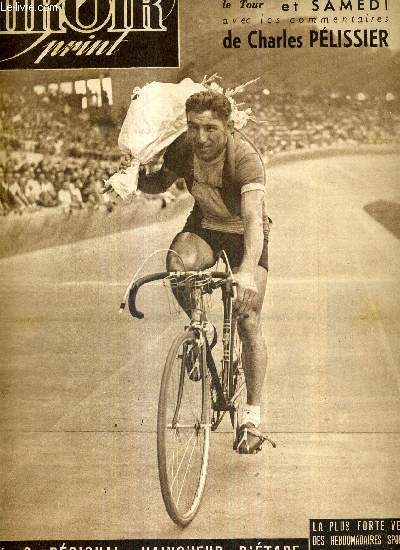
<point x="67" y="131"/>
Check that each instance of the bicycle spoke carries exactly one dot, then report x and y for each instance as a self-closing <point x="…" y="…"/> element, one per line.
<point x="182" y="459"/>
<point x="175" y="455"/>
<point x="186" y="471"/>
<point x="238" y="392"/>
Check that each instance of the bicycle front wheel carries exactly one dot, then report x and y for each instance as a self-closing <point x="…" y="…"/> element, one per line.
<point x="183" y="428"/>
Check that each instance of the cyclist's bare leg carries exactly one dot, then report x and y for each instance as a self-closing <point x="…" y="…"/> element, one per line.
<point x="194" y="254"/>
<point x="254" y="347"/>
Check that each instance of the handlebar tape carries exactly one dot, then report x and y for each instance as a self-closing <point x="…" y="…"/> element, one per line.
<point x="132" y="303"/>
<point x="154" y="277"/>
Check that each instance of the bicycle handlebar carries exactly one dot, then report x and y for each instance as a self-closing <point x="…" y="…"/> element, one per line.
<point x="157" y="277"/>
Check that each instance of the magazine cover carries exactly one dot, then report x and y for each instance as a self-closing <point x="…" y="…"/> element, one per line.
<point x="199" y="274"/>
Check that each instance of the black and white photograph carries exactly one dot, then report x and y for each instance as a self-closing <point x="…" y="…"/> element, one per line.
<point x="199" y="274"/>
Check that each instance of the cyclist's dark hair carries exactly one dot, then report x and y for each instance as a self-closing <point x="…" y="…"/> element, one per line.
<point x="209" y="101"/>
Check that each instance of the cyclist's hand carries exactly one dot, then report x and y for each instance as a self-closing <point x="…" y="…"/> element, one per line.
<point x="152" y="166"/>
<point x="125" y="161"/>
<point x="246" y="292"/>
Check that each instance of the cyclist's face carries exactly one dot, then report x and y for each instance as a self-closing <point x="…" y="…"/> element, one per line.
<point x="207" y="134"/>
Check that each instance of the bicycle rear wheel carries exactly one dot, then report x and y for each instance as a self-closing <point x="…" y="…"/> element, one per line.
<point x="183" y="428"/>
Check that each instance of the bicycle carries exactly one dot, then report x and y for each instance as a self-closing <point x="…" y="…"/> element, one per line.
<point x="196" y="392"/>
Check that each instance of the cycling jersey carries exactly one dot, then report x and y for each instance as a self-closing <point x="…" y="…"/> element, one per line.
<point x="217" y="186"/>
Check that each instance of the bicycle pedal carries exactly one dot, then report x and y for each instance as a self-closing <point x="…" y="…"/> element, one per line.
<point x="242" y="445"/>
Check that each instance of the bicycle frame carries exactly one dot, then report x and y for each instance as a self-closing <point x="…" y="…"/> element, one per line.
<point x="193" y="403"/>
<point x="225" y="399"/>
<point x="226" y="394"/>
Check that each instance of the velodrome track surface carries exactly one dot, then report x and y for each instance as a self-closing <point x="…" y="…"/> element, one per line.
<point x="79" y="383"/>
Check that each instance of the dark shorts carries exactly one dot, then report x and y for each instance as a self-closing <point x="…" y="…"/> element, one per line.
<point x="232" y="243"/>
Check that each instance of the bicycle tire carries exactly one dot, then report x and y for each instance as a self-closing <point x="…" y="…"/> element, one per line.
<point x="183" y="424"/>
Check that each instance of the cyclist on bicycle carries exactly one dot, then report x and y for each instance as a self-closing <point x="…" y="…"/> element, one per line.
<point x="225" y="175"/>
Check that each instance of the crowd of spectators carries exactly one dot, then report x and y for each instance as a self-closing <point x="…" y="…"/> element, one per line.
<point x="51" y="123"/>
<point x="71" y="184"/>
<point x="78" y="154"/>
<point x="291" y="122"/>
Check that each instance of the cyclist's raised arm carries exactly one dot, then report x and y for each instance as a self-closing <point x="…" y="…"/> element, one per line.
<point x="159" y="180"/>
<point x="156" y="182"/>
<point x="176" y="158"/>
<point x="153" y="182"/>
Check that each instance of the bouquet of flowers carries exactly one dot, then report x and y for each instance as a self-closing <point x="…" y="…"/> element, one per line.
<point x="155" y="118"/>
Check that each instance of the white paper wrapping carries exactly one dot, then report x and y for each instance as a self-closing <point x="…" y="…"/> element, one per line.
<point x="153" y="121"/>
